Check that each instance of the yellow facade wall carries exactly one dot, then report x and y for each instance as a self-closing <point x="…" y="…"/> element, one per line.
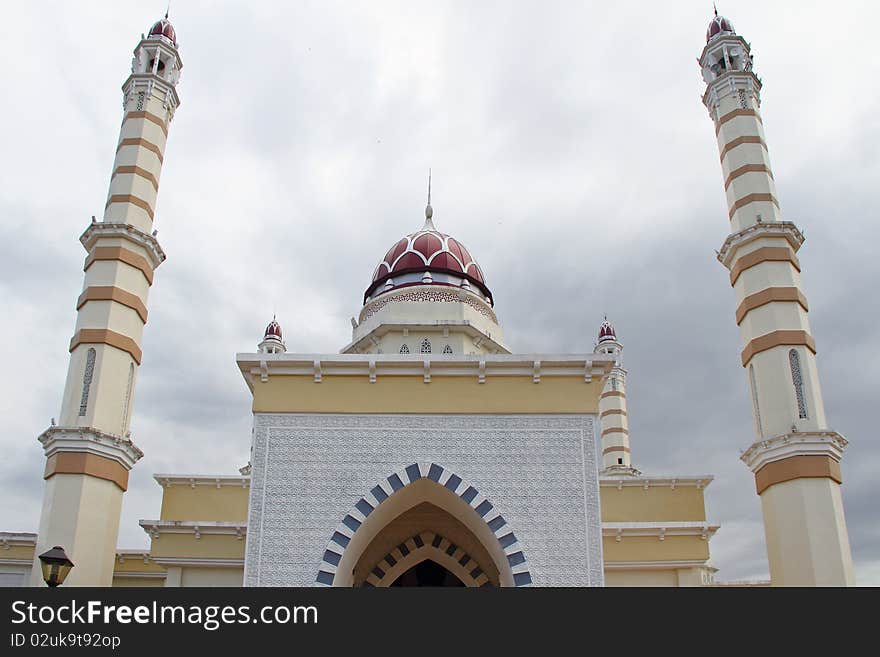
<point x="17" y="552"/>
<point x="651" y="548"/>
<point x="212" y="577"/>
<point x="135" y="564"/>
<point x="205" y="502"/>
<point x="445" y="394"/>
<point x="645" y="577"/>
<point x="121" y="581"/>
<point x="635" y="504"/>
<point x="187" y="546"/>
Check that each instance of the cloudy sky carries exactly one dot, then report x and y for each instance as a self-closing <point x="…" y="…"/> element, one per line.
<point x="571" y="154"/>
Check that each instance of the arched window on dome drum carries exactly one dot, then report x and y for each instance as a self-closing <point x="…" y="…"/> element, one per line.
<point x="404" y="349"/>
<point x="426" y="346"/>
<point x="447" y="349"/>
<point x="754" y="386"/>
<point x="87" y="381"/>
<point x="794" y="360"/>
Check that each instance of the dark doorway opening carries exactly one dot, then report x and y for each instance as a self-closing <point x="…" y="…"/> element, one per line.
<point x="427" y="573"/>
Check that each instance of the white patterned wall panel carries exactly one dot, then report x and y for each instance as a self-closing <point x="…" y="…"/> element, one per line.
<point x="308" y="471"/>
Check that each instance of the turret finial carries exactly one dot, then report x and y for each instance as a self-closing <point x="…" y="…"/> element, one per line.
<point x="429" y="211"/>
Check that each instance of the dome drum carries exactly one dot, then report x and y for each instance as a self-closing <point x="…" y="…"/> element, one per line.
<point x="434" y="294"/>
<point x="451" y="310"/>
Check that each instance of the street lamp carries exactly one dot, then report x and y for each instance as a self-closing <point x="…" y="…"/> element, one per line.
<point x="55" y="566"/>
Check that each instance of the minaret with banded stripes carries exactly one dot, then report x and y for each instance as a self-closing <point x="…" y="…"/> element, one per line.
<point x="90" y="452"/>
<point x="796" y="457"/>
<point x="616" y="454"/>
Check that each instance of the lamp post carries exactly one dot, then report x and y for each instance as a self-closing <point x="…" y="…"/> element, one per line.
<point x="55" y="566"/>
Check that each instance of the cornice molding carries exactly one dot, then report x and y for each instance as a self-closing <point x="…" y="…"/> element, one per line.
<point x="156" y="528"/>
<point x="138" y="574"/>
<point x="16" y="539"/>
<point x="150" y="81"/>
<point x="730" y="81"/>
<point x="193" y="480"/>
<point x="619" y="470"/>
<point x="658" y="565"/>
<point x="480" y="366"/>
<point x="654" y="482"/>
<point x="741" y="583"/>
<point x="133" y="555"/>
<point x="216" y="563"/>
<point x="660" y="530"/>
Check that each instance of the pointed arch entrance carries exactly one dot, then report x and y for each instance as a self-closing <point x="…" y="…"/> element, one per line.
<point x="489" y="536"/>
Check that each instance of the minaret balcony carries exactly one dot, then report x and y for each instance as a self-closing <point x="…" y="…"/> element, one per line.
<point x="101" y="230"/>
<point x="784" y="229"/>
<point x="793" y="445"/>
<point x="88" y="440"/>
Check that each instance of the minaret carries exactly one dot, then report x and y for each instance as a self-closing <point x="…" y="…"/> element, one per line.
<point x="796" y="457"/>
<point x="616" y="455"/>
<point x="90" y="452"/>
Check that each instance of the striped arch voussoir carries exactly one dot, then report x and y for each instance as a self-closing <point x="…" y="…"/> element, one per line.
<point x="422" y="546"/>
<point x="394" y="482"/>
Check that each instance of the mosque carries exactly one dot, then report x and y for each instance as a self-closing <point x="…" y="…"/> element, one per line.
<point x="427" y="452"/>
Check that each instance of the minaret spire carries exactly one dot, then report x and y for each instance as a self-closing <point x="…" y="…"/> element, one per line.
<point x="429" y="211"/>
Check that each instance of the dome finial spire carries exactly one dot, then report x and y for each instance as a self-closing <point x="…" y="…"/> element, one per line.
<point x="429" y="211"/>
<point x="715" y="7"/>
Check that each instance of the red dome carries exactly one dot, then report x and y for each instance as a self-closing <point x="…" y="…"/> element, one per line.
<point x="606" y="332"/>
<point x="718" y="25"/>
<point x="273" y="330"/>
<point x="164" y="28"/>
<point x="428" y="250"/>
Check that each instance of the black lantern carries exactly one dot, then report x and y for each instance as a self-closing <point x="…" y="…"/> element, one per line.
<point x="55" y="566"/>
